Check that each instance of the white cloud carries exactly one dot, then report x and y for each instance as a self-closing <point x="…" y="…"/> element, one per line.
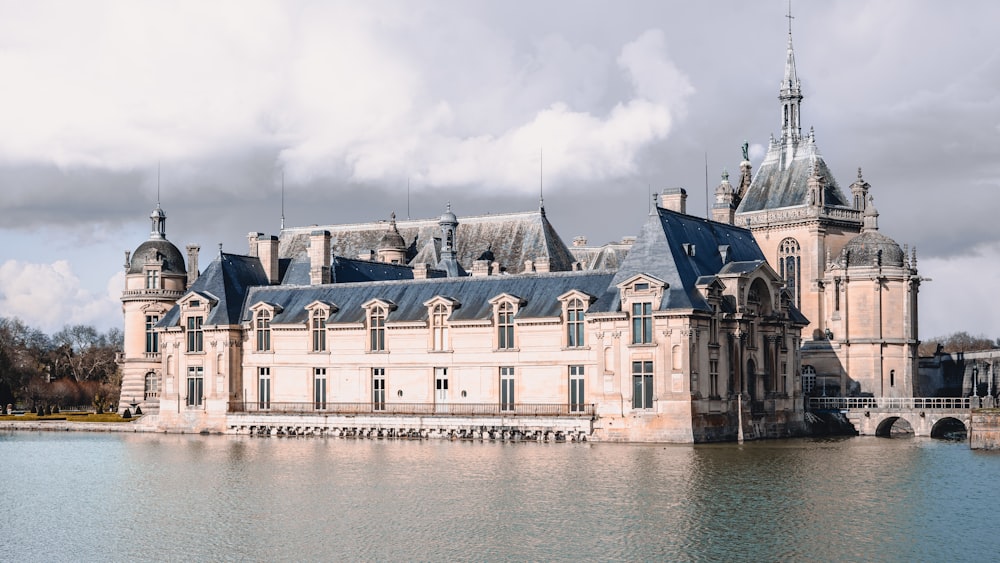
<point x="49" y="296"/>
<point x="348" y="92"/>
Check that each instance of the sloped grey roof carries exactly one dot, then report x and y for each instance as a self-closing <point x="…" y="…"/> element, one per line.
<point x="660" y="251"/>
<point x="540" y="293"/>
<point x="513" y="237"/>
<point x="784" y="184"/>
<point x="227" y="278"/>
<point x="607" y="257"/>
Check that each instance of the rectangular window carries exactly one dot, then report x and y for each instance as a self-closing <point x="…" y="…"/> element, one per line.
<point x="440" y="386"/>
<point x="642" y="323"/>
<point x="376" y="327"/>
<point x="319" y="388"/>
<point x="642" y="385"/>
<point x="152" y="279"/>
<point x="195" y="386"/>
<point x="378" y="389"/>
<point x="263" y="331"/>
<point x="319" y="331"/>
<point x="713" y="379"/>
<point x="152" y="338"/>
<point x="264" y="388"/>
<point x="574" y="324"/>
<point x="505" y="326"/>
<point x="576" y="389"/>
<point x="506" y="388"/>
<point x="195" y="336"/>
<point x="439" y="327"/>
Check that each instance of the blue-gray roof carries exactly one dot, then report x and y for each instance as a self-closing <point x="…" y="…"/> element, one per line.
<point x="539" y="293"/>
<point x="679" y="249"/>
<point x="785" y="184"/>
<point x="227" y="278"/>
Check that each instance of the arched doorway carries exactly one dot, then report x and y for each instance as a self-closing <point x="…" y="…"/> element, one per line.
<point x="949" y="428"/>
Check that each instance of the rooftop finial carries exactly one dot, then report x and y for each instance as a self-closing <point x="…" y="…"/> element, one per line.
<point x="282" y="199"/>
<point x="541" y="192"/>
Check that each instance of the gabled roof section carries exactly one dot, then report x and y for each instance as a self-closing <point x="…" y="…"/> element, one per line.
<point x="783" y="182"/>
<point x="411" y="296"/>
<point x="512" y="237"/>
<point x="678" y="249"/>
<point x="228" y="278"/>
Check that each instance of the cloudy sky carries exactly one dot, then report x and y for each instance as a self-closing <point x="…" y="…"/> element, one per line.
<point x="351" y="101"/>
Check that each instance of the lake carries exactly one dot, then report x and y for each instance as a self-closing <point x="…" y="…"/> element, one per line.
<point x="158" y="497"/>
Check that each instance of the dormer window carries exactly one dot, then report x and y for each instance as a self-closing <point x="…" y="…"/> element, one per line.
<point x="376" y="328"/>
<point x="505" y="307"/>
<point x="439" y="327"/>
<point x="194" y="303"/>
<point x="152" y="279"/>
<point x="642" y="323"/>
<point x="574" y="323"/>
<point x="263" y="322"/>
<point x="317" y="328"/>
<point x="643" y="286"/>
<point x="505" y="326"/>
<point x="195" y="335"/>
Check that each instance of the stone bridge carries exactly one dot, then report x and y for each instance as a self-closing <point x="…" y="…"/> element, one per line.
<point x="923" y="416"/>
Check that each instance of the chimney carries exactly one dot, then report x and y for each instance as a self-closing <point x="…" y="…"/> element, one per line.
<point x="674" y="199"/>
<point x="480" y="268"/>
<point x="420" y="271"/>
<point x="579" y="241"/>
<point x="529" y="266"/>
<point x="319" y="257"/>
<point x="192" y="263"/>
<point x="252" y="241"/>
<point x="267" y="252"/>
<point x="542" y="265"/>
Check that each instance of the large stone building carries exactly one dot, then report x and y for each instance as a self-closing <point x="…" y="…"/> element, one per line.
<point x="857" y="286"/>
<point x="466" y="326"/>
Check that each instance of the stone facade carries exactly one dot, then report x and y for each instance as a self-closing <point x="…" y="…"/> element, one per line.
<point x="691" y="339"/>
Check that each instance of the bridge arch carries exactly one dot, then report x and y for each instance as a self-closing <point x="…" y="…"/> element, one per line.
<point x="899" y="423"/>
<point x="947" y="427"/>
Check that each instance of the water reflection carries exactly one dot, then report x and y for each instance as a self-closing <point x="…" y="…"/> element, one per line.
<point x="157" y="497"/>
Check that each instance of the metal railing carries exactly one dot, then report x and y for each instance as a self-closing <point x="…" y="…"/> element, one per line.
<point x="891" y="403"/>
<point x="452" y="409"/>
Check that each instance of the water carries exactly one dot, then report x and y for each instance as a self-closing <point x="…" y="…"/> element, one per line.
<point x="118" y="497"/>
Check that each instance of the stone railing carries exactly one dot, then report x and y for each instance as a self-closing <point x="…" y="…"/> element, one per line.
<point x="893" y="403"/>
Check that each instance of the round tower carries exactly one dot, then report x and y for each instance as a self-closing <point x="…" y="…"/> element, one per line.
<point x="155" y="278"/>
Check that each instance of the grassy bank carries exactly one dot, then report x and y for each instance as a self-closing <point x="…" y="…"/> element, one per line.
<point x="70" y="416"/>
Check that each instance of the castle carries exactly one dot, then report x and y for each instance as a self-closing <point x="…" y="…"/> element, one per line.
<point x="696" y="330"/>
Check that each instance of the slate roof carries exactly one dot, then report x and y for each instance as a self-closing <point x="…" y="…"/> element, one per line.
<point x="661" y="251"/>
<point x="780" y="183"/>
<point x="173" y="260"/>
<point x="513" y="238"/>
<point x="228" y="278"/>
<point x="607" y="257"/>
<point x="539" y="293"/>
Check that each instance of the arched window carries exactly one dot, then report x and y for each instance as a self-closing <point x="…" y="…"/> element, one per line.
<point x="263" y="330"/>
<point x="152" y="385"/>
<point x="790" y="268"/>
<point x="574" y="324"/>
<point x="439" y="327"/>
<point x="505" y="326"/>
<point x="376" y="328"/>
<point x="318" y="329"/>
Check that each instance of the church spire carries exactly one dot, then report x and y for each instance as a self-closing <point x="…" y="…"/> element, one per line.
<point x="790" y="94"/>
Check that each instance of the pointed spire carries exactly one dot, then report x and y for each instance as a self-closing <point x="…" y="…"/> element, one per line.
<point x="790" y="93"/>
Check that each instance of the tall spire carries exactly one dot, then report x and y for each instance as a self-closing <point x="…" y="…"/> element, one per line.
<point x="790" y="94"/>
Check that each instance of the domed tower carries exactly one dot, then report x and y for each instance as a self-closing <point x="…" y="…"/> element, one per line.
<point x="449" y="245"/>
<point x="871" y="312"/>
<point x="392" y="247"/>
<point x="155" y="278"/>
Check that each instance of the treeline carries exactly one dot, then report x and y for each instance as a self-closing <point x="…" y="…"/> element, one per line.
<point x="75" y="366"/>
<point x="956" y="342"/>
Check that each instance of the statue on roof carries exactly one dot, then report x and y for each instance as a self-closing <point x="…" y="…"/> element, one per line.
<point x="746" y="150"/>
